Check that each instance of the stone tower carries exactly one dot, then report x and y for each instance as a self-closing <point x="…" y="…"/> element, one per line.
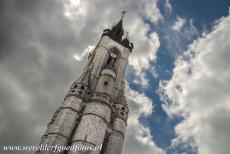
<point x="94" y="112"/>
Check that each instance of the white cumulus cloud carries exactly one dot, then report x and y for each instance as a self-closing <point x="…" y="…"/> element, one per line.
<point x="138" y="137"/>
<point x="199" y="91"/>
<point x="178" y="24"/>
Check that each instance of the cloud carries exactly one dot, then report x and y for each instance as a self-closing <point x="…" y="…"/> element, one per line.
<point x="141" y="62"/>
<point x="151" y="11"/>
<point x="85" y="53"/>
<point x="176" y="41"/>
<point x="138" y="138"/>
<point x="36" y="67"/>
<point x="141" y="79"/>
<point x="178" y="24"/>
<point x="43" y="49"/>
<point x="199" y="92"/>
<point x="168" y="5"/>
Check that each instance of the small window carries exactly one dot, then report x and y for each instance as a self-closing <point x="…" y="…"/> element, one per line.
<point x="80" y="92"/>
<point x="105" y="83"/>
<point x="73" y="91"/>
<point x="82" y="87"/>
<point x="123" y="108"/>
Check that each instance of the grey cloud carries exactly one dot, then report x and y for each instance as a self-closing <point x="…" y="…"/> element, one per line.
<point x="36" y="43"/>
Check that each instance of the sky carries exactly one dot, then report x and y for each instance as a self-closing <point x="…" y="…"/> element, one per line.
<point x="177" y="80"/>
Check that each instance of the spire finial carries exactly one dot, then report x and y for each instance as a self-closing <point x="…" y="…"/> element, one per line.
<point x="123" y="13"/>
<point x="127" y="34"/>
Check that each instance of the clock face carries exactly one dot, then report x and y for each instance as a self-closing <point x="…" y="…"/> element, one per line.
<point x="113" y="55"/>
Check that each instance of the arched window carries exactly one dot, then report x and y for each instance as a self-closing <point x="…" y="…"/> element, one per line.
<point x="82" y="87"/>
<point x="106" y="83"/>
<point x="114" y="52"/>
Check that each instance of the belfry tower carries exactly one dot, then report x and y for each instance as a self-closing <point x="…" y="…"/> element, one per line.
<point x="94" y="111"/>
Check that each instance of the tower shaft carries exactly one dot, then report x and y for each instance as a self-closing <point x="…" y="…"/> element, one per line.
<point x="94" y="112"/>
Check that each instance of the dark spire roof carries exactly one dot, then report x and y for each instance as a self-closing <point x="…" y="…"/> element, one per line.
<point x="117" y="33"/>
<point x="117" y="29"/>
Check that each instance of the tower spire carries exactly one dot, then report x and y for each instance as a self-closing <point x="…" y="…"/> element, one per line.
<point x="123" y="13"/>
<point x="117" y="33"/>
<point x="118" y="30"/>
